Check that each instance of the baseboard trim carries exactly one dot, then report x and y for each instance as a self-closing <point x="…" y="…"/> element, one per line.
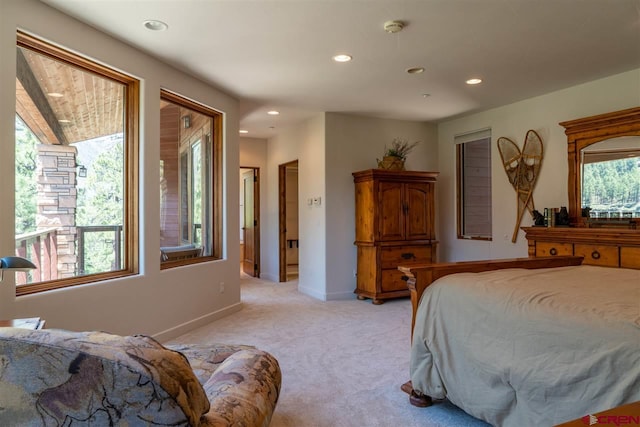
<point x="312" y="293"/>
<point x="183" y="328"/>
<point x="339" y="296"/>
<point x="270" y="277"/>
<point x="334" y="296"/>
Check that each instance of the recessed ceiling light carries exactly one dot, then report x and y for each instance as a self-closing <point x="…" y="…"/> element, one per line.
<point x="244" y="131"/>
<point x="426" y="95"/>
<point x="55" y="94"/>
<point x="273" y="113"/>
<point x="342" y="58"/>
<point x="64" y="121"/>
<point x="155" y="25"/>
<point x="415" y="70"/>
<point x="474" y="81"/>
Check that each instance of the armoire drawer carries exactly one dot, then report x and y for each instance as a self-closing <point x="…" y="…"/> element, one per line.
<point x="607" y="256"/>
<point x="392" y="281"/>
<point x="553" y="249"/>
<point x="392" y="256"/>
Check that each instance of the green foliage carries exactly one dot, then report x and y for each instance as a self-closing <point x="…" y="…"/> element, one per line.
<point x="101" y="203"/>
<point x="26" y="191"/>
<point x="612" y="185"/>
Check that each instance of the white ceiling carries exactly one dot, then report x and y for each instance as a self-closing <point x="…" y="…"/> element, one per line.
<point x="276" y="54"/>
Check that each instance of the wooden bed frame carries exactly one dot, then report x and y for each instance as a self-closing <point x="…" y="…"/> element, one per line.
<point x="420" y="276"/>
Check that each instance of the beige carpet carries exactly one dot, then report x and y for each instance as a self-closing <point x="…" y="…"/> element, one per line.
<point x="342" y="361"/>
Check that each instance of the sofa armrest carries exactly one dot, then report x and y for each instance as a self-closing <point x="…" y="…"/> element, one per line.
<point x="245" y="387"/>
<point x="103" y="378"/>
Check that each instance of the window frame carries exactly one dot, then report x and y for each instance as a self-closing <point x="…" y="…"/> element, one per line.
<point x="208" y="141"/>
<point x="460" y="141"/>
<point x="130" y="259"/>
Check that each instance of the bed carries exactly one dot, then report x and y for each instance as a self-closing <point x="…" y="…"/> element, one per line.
<point x="530" y="341"/>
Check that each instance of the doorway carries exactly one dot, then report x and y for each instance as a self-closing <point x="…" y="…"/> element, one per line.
<point x="250" y="221"/>
<point x="288" y="220"/>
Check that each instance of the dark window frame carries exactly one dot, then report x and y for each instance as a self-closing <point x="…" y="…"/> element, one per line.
<point x="463" y="168"/>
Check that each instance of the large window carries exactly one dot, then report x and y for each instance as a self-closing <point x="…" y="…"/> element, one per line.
<point x="76" y="150"/>
<point x="473" y="152"/>
<point x="190" y="176"/>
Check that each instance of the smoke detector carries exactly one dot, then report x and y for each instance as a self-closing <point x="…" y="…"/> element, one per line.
<point x="393" y="27"/>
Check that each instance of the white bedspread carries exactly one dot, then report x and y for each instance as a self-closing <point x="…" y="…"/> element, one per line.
<point x="530" y="347"/>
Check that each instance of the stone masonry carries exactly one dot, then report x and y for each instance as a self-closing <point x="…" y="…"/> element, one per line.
<point x="57" y="199"/>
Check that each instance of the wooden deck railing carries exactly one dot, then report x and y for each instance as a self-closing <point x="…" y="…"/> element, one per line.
<point x="116" y="242"/>
<point x="41" y="248"/>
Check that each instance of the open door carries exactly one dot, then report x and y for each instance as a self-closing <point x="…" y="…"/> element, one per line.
<point x="250" y="229"/>
<point x="288" y="220"/>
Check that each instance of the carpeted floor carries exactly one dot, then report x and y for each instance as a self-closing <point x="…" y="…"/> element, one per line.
<point x="342" y="361"/>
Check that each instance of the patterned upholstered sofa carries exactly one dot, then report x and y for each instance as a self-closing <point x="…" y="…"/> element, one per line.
<point x="60" y="378"/>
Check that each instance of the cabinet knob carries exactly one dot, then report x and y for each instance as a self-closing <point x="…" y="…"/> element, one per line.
<point x="595" y="255"/>
<point x="553" y="251"/>
<point x="408" y="255"/>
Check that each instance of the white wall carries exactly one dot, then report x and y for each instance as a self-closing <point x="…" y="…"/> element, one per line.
<point x="541" y="114"/>
<point x="352" y="144"/>
<point x="329" y="148"/>
<point x="164" y="303"/>
<point x="303" y="142"/>
<point x="253" y="153"/>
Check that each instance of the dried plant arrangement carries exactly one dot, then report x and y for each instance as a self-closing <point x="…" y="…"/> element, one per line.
<point x="395" y="155"/>
<point x="400" y="148"/>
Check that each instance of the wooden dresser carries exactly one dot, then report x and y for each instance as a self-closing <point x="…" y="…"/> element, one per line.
<point x="394" y="225"/>
<point x="607" y="247"/>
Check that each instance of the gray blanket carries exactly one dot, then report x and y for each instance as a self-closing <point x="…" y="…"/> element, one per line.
<point x="530" y="347"/>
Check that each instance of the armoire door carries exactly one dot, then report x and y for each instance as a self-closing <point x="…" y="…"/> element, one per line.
<point x="419" y="211"/>
<point x="391" y="218"/>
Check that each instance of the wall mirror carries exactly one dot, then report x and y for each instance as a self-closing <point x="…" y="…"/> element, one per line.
<point x="604" y="169"/>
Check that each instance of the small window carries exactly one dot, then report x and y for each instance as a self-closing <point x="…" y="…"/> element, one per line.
<point x="474" y="185"/>
<point x="76" y="180"/>
<point x="190" y="176"/>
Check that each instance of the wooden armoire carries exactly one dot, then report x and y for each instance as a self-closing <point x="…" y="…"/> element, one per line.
<point x="394" y="225"/>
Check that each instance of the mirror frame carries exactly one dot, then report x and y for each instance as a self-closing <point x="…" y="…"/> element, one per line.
<point x="586" y="131"/>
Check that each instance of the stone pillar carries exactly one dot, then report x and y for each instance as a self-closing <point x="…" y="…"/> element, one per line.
<point x="57" y="196"/>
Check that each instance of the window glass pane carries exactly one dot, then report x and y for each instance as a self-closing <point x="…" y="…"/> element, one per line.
<point x="184" y="196"/>
<point x="474" y="188"/>
<point x="611" y="184"/>
<point x="196" y="200"/>
<point x="70" y="165"/>
<point x="187" y="185"/>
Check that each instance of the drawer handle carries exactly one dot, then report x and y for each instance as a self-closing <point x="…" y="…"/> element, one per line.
<point x="553" y="251"/>
<point x="405" y="278"/>
<point x="595" y="255"/>
<point x="408" y="255"/>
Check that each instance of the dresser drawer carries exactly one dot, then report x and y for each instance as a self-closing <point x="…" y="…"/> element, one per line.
<point x="553" y="249"/>
<point x="607" y="256"/>
<point x="392" y="256"/>
<point x="392" y="281"/>
<point x="630" y="257"/>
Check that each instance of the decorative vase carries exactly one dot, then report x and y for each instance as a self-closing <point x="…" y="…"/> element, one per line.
<point x="391" y="163"/>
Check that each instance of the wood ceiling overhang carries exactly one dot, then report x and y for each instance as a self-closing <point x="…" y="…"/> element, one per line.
<point x="91" y="106"/>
